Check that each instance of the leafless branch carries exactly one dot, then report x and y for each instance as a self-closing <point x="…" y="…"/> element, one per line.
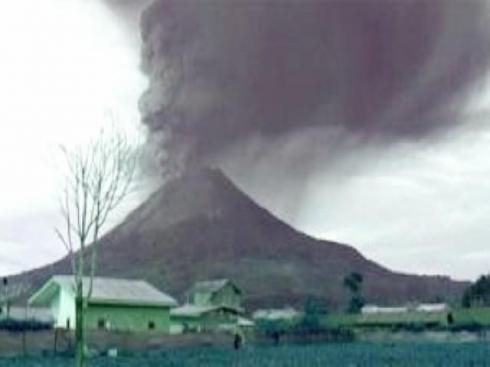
<point x="98" y="178"/>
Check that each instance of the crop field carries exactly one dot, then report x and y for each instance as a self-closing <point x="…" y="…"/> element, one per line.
<point x="338" y="355"/>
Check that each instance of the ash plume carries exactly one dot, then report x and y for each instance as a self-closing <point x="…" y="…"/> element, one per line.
<point x="222" y="73"/>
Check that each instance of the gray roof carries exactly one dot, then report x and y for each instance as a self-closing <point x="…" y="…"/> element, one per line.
<point x="191" y="310"/>
<point x="108" y="290"/>
<point x="212" y="286"/>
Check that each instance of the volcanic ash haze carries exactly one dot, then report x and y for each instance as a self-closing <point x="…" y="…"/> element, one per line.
<point x="350" y="120"/>
<point x="224" y="73"/>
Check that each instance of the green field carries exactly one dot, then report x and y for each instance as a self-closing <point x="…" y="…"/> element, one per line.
<point x="480" y="316"/>
<point x="336" y="355"/>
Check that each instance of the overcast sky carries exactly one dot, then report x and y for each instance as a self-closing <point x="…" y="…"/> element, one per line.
<point x="67" y="65"/>
<point x="67" y="69"/>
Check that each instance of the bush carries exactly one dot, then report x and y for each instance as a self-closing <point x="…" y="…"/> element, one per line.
<point x="304" y="329"/>
<point x="355" y="304"/>
<point x="273" y="328"/>
<point x="478" y="293"/>
<point x="23" y="325"/>
<point x="468" y="326"/>
<point x="309" y="325"/>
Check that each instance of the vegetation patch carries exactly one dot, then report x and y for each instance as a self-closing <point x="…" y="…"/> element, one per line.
<point x="13" y="325"/>
<point x="288" y="355"/>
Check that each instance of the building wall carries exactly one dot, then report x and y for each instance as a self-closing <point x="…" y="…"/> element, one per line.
<point x="227" y="296"/>
<point x="63" y="308"/>
<point x="186" y="324"/>
<point x="207" y="322"/>
<point x="218" y="318"/>
<point x="201" y="298"/>
<point x="128" y="318"/>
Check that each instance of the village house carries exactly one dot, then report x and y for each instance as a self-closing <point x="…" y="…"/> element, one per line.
<point x="221" y="292"/>
<point x="211" y="305"/>
<point x="422" y="314"/>
<point x="422" y="307"/>
<point x="197" y="318"/>
<point x="115" y="304"/>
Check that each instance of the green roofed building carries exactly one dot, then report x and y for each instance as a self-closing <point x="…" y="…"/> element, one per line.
<point x="115" y="304"/>
<point x="211" y="305"/>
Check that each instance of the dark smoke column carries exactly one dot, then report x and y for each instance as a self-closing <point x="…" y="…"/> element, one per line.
<point x="222" y="71"/>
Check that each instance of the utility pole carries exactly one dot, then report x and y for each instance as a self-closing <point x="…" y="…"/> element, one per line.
<point x="6" y="296"/>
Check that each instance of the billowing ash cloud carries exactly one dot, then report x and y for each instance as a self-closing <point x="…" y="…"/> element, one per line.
<point x="222" y="72"/>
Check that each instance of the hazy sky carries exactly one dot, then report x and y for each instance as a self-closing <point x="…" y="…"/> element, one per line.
<point x="66" y="67"/>
<point x="66" y="64"/>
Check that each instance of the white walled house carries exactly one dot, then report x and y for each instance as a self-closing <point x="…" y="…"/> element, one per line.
<point x="57" y="295"/>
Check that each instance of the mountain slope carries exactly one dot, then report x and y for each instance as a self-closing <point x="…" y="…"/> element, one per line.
<point x="202" y="226"/>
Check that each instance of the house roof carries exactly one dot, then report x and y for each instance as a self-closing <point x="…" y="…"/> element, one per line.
<point x="213" y="286"/>
<point x="192" y="310"/>
<point x="189" y="310"/>
<point x="432" y="307"/>
<point x="373" y="309"/>
<point x="107" y="291"/>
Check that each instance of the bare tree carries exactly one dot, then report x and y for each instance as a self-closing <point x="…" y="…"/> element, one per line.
<point x="98" y="178"/>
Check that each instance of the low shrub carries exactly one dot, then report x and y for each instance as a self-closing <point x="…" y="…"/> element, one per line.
<point x="14" y="325"/>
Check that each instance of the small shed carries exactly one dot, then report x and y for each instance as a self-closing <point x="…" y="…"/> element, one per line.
<point x="211" y="305"/>
<point x="115" y="304"/>
<point x="195" y="318"/>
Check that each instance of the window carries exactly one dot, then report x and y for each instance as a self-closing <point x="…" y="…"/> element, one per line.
<point x="101" y="323"/>
<point x="151" y="325"/>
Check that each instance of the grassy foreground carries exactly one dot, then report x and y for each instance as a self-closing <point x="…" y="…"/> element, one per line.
<point x="335" y="355"/>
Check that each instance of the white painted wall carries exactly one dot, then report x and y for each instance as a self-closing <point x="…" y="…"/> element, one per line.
<point x="63" y="308"/>
<point x="176" y="328"/>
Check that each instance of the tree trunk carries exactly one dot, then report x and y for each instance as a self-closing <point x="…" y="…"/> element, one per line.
<point x="24" y="343"/>
<point x="79" y="329"/>
<point x="55" y="346"/>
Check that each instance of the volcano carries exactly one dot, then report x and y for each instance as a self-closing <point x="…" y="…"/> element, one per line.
<point x="201" y="226"/>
